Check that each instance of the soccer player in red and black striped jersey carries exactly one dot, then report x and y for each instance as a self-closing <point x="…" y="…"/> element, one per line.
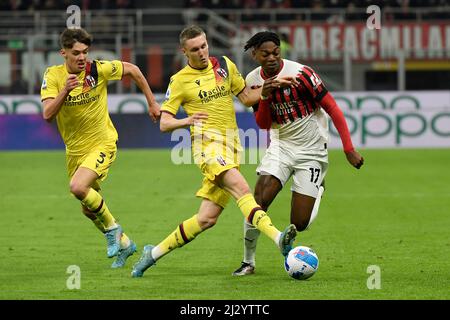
<point x="298" y="132"/>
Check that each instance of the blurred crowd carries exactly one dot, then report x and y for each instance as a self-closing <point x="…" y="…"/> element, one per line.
<point x="319" y="10"/>
<point x="34" y="5"/>
<point x="270" y="4"/>
<point x="7" y="5"/>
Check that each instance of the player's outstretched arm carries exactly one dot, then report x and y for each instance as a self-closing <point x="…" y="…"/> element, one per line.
<point x="169" y="122"/>
<point x="51" y="106"/>
<point x="329" y="104"/>
<point x="135" y="73"/>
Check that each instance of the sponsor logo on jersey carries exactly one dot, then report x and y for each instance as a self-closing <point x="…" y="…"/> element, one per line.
<point x="216" y="93"/>
<point x="80" y="99"/>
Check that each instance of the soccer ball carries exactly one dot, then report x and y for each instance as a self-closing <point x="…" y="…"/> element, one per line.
<point x="301" y="263"/>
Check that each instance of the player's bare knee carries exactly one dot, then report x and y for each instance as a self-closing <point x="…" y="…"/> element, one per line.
<point x="207" y="222"/>
<point x="78" y="190"/>
<point x="243" y="188"/>
<point x="240" y="189"/>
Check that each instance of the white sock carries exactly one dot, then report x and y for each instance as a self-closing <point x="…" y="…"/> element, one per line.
<point x="277" y="239"/>
<point x="315" y="209"/>
<point x="156" y="253"/>
<point x="251" y="235"/>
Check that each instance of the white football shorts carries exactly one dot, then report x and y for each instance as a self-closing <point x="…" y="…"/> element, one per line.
<point x="308" y="169"/>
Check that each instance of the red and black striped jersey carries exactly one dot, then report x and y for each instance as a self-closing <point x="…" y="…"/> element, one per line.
<point x="289" y="104"/>
<point x="292" y="108"/>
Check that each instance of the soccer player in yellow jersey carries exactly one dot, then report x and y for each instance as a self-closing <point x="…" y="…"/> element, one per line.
<point x="75" y="93"/>
<point x="205" y="88"/>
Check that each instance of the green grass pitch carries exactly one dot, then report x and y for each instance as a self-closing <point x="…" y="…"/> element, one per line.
<point x="394" y="213"/>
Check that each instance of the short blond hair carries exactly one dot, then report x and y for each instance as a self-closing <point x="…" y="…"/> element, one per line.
<point x="190" y="32"/>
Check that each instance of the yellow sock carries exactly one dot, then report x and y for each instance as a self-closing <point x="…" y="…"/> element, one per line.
<point x="183" y="234"/>
<point x="99" y="225"/>
<point x="256" y="216"/>
<point x="124" y="241"/>
<point x="94" y="202"/>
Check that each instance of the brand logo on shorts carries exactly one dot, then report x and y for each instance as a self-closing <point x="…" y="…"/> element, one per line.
<point x="221" y="161"/>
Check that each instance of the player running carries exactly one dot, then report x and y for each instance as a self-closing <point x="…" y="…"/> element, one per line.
<point x="205" y="88"/>
<point x="75" y="93"/>
<point x="299" y="134"/>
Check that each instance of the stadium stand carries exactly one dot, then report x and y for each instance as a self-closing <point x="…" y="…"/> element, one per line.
<point x="146" y="33"/>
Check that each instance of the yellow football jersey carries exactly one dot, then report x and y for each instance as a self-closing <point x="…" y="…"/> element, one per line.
<point x="208" y="90"/>
<point x="83" y="119"/>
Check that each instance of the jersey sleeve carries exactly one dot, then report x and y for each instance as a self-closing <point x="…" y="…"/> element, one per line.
<point x="313" y="83"/>
<point x="174" y="97"/>
<point x="252" y="82"/>
<point x="111" y="70"/>
<point x="337" y="116"/>
<point x="49" y="88"/>
<point x="237" y="83"/>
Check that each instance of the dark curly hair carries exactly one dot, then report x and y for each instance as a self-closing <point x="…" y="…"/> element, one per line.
<point x="258" y="39"/>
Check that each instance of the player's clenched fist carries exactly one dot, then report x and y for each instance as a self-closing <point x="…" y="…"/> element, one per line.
<point x="154" y="111"/>
<point x="355" y="159"/>
<point x="72" y="82"/>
